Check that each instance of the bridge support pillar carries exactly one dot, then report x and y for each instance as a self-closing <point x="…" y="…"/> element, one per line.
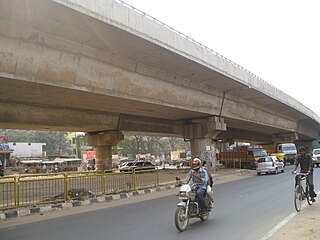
<point x="102" y="143"/>
<point x="200" y="133"/>
<point x="205" y="150"/>
<point x="306" y="144"/>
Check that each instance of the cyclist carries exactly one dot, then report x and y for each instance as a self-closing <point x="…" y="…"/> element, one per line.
<point x="306" y="166"/>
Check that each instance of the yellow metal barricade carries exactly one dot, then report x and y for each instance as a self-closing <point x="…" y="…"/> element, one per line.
<point x="32" y="189"/>
<point x="37" y="189"/>
<point x="82" y="185"/>
<point x="8" y="193"/>
<point x="146" y="178"/>
<point x="116" y="182"/>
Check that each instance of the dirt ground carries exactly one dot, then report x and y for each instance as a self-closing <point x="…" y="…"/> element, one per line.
<point x="304" y="225"/>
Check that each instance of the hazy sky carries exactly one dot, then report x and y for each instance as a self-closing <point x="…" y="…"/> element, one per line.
<point x="277" y="40"/>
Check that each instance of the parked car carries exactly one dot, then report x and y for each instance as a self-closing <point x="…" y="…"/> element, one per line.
<point x="269" y="164"/>
<point x="1" y="169"/>
<point x="137" y="165"/>
<point x="316" y="157"/>
<point x="124" y="164"/>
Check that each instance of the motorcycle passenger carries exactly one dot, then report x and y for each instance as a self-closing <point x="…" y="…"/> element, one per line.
<point x="200" y="181"/>
<point x="306" y="166"/>
<point x="210" y="181"/>
<point x="209" y="187"/>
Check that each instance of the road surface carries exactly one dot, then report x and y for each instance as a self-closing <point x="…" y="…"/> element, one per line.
<point x="245" y="209"/>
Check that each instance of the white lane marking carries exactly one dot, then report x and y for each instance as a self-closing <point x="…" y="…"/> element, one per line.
<point x="278" y="226"/>
<point x="283" y="222"/>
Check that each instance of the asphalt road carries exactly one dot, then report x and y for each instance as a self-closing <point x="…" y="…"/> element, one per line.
<point x="244" y="209"/>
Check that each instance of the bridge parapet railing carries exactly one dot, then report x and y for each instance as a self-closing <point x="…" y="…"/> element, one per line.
<point x="194" y="41"/>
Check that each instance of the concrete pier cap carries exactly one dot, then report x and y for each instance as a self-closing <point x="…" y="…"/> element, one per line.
<point x="102" y="143"/>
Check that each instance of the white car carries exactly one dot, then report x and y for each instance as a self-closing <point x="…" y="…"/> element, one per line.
<point x="316" y="156"/>
<point x="269" y="164"/>
<point x="137" y="165"/>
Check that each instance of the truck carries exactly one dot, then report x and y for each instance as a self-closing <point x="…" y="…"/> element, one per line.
<point x="242" y="157"/>
<point x="286" y="152"/>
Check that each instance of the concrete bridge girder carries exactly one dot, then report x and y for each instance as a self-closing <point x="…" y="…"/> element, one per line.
<point x="205" y="128"/>
<point x="285" y="137"/>
<point x="86" y="55"/>
<point x="38" y="58"/>
<point x="243" y="135"/>
<point x="44" y="117"/>
<point x="29" y="62"/>
<point x="309" y="128"/>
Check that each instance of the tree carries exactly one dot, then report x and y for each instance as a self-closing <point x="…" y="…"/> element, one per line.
<point x="132" y="145"/>
<point x="17" y="135"/>
<point x="56" y="142"/>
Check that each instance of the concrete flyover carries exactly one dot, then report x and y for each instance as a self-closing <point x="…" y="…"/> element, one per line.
<point x="102" y="66"/>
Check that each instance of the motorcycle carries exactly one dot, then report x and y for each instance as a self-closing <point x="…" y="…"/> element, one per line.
<point x="188" y="207"/>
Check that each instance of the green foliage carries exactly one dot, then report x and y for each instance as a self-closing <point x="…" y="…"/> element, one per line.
<point x="17" y="135"/>
<point x="157" y="146"/>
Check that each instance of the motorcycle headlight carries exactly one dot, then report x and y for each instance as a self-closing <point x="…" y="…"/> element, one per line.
<point x="183" y="194"/>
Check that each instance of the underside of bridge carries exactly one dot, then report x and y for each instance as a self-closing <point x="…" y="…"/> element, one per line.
<point x="67" y="68"/>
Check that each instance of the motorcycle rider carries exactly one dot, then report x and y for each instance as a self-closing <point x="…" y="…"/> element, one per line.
<point x="200" y="181"/>
<point x="306" y="166"/>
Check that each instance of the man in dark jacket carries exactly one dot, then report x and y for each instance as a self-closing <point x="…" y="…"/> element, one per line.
<point x="306" y="166"/>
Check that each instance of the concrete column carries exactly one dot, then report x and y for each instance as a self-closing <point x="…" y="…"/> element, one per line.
<point x="316" y="143"/>
<point x="307" y="145"/>
<point x="202" y="148"/>
<point x="103" y="157"/>
<point x="102" y="144"/>
<point x="198" y="147"/>
<point x="200" y="132"/>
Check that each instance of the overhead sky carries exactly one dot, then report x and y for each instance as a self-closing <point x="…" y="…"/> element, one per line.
<point x="277" y="40"/>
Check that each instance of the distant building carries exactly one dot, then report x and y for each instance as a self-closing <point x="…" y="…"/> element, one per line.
<point x="27" y="150"/>
<point x="72" y="141"/>
<point x="5" y="150"/>
<point x="72" y="138"/>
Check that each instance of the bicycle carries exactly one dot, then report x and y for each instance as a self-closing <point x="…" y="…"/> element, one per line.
<point x="301" y="194"/>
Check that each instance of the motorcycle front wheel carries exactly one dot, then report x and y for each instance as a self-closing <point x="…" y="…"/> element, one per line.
<point x="181" y="219"/>
<point x="204" y="217"/>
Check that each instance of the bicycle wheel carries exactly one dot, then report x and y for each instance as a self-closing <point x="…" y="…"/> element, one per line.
<point x="298" y="197"/>
<point x="308" y="195"/>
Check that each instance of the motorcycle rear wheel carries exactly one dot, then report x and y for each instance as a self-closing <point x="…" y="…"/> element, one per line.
<point x="181" y="220"/>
